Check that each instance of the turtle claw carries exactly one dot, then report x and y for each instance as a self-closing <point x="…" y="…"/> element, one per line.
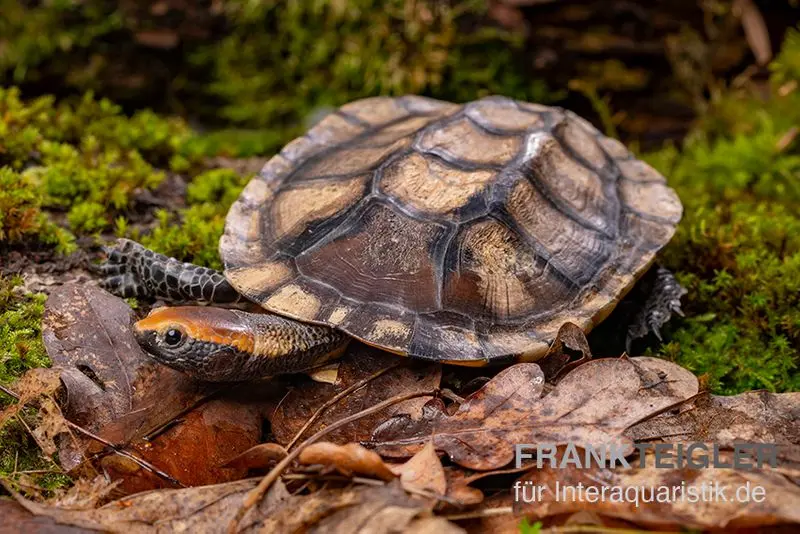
<point x="120" y="273"/>
<point x="663" y="301"/>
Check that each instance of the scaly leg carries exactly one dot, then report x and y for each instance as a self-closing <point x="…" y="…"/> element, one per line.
<point x="132" y="270"/>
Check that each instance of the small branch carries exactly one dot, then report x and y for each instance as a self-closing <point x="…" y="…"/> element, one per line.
<point x="358" y="385"/>
<point x="486" y="512"/>
<point x="10" y="393"/>
<point x="122" y="452"/>
<point x="256" y="494"/>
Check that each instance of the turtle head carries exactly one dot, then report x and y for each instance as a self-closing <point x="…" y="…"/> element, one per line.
<point x="213" y="344"/>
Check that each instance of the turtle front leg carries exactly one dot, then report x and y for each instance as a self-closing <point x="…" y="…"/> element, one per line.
<point x="663" y="300"/>
<point x="131" y="270"/>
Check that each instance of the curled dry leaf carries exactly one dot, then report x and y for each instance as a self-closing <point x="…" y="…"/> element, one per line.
<point x="424" y="471"/>
<point x="593" y="404"/>
<point x="347" y="459"/>
<point x="570" y="341"/>
<point x="353" y="509"/>
<point x="360" y="363"/>
<point x="458" y="489"/>
<point x="714" y="510"/>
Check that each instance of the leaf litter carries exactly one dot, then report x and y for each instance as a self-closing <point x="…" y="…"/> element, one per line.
<point x="385" y="424"/>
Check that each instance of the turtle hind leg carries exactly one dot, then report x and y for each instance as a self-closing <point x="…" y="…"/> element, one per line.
<point x="663" y="300"/>
<point x="131" y="270"/>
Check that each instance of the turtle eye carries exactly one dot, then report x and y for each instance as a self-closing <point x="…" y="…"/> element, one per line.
<point x="173" y="337"/>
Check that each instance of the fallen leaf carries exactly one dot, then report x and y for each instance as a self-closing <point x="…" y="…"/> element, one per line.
<point x="359" y="363"/>
<point x="458" y="488"/>
<point x="84" y="494"/>
<point x="194" y="452"/>
<point x="30" y="386"/>
<point x="711" y="511"/>
<point x="120" y="395"/>
<point x="423" y="471"/>
<point x="593" y="404"/>
<point x="108" y="378"/>
<point x="261" y="456"/>
<point x="352" y="509"/>
<point x="752" y="417"/>
<point x="17" y="519"/>
<point x="347" y="459"/>
<point x="50" y="425"/>
<point x="569" y="342"/>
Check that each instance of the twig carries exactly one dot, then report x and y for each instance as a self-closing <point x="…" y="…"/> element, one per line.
<point x="486" y="512"/>
<point x="175" y="419"/>
<point x="257" y="493"/>
<point x="333" y="400"/>
<point x="450" y="395"/>
<point x="122" y="452"/>
<point x="334" y="478"/>
<point x="10" y="393"/>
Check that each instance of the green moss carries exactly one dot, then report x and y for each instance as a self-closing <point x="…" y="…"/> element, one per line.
<point x="306" y="55"/>
<point x="738" y="247"/>
<point x="84" y="157"/>
<point x="21" y="215"/>
<point x="264" y="65"/>
<point x="21" y="346"/>
<point x="193" y="234"/>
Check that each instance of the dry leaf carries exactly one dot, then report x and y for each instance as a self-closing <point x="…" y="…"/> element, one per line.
<point x="752" y="417"/>
<point x="107" y="376"/>
<point x="347" y="459"/>
<point x="353" y="509"/>
<point x="359" y="363"/>
<point x="116" y="392"/>
<point x="424" y="471"/>
<point x="84" y="494"/>
<point x="50" y="425"/>
<point x="194" y="452"/>
<point x="261" y="456"/>
<point x="569" y="340"/>
<point x="780" y="504"/>
<point x="16" y="519"/>
<point x="32" y="385"/>
<point x="593" y="404"/>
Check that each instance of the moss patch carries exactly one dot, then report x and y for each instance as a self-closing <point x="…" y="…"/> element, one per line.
<point x="193" y="234"/>
<point x="21" y="346"/>
<point x="85" y="159"/>
<point x="738" y="247"/>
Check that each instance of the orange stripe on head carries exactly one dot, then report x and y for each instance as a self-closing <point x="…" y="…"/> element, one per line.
<point x="215" y="325"/>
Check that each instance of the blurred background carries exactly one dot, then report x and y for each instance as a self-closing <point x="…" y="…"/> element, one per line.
<point x="145" y="118"/>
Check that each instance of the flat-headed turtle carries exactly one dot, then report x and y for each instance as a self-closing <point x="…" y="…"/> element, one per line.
<point x="464" y="234"/>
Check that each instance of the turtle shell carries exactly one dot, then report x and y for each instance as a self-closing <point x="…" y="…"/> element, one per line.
<point x="459" y="233"/>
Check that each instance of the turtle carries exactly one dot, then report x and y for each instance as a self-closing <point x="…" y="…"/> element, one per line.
<point x="459" y="233"/>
